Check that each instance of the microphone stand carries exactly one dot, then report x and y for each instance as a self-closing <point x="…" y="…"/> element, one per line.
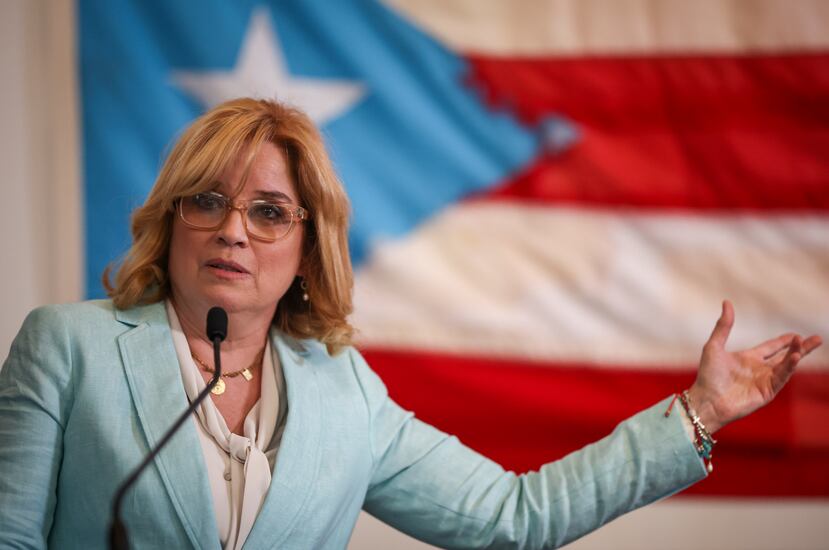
<point x="118" y="538"/>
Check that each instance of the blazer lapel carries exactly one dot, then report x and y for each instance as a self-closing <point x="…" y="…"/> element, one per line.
<point x="154" y="379"/>
<point x="298" y="459"/>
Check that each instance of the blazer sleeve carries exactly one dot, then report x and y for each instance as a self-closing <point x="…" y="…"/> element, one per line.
<point x="429" y="485"/>
<point x="35" y="400"/>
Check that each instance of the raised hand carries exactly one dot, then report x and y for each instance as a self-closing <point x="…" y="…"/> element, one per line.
<point x="731" y="385"/>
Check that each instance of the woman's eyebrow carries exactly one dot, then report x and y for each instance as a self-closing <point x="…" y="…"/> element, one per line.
<point x="273" y="195"/>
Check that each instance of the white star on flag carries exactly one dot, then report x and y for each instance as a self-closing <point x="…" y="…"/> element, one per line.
<point x="261" y="71"/>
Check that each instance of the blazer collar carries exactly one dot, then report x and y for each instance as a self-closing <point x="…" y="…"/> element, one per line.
<point x="300" y="453"/>
<point x="154" y="380"/>
<point x="151" y="314"/>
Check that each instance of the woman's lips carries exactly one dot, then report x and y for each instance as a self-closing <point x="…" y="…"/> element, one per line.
<point x="226" y="269"/>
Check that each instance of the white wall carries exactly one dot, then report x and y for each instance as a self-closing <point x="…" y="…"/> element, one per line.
<point x="39" y="154"/>
<point x="40" y="220"/>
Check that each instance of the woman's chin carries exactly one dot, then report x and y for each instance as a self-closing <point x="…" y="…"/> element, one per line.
<point x="232" y="297"/>
<point x="232" y="300"/>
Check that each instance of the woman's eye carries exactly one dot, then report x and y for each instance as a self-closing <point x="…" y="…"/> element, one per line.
<point x="271" y="213"/>
<point x="207" y="202"/>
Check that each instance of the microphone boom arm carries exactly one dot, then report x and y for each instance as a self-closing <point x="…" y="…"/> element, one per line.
<point x="118" y="539"/>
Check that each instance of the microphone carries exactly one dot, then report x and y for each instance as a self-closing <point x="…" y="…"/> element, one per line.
<point x="216" y="333"/>
<point x="216" y="324"/>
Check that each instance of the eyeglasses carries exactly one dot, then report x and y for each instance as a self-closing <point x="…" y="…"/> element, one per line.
<point x="263" y="220"/>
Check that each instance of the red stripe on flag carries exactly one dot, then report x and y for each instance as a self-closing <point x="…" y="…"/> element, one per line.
<point x="524" y="414"/>
<point x="711" y="132"/>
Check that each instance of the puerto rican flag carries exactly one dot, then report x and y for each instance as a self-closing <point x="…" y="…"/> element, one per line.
<point x="551" y="198"/>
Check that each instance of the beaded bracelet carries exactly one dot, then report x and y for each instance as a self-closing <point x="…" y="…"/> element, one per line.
<point x="703" y="441"/>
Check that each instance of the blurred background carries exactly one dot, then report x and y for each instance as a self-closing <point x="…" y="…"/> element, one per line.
<point x="551" y="199"/>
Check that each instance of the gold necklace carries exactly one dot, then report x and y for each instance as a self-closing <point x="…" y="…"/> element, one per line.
<point x="220" y="386"/>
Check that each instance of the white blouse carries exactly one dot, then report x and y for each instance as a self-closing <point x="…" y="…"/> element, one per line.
<point x="238" y="467"/>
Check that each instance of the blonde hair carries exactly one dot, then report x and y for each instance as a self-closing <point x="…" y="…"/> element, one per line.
<point x="236" y="129"/>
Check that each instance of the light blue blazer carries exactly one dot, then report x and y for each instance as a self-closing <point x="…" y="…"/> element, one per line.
<point x="87" y="390"/>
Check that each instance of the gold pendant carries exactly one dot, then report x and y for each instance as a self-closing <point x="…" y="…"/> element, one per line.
<point x="219" y="388"/>
<point x="246" y="373"/>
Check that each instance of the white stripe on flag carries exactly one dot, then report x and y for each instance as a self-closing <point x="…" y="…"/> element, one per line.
<point x="610" y="287"/>
<point x="578" y="27"/>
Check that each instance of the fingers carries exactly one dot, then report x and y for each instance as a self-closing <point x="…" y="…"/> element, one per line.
<point x="798" y="349"/>
<point x="772" y="347"/>
<point x="812" y="342"/>
<point x="784" y="369"/>
<point x="795" y="353"/>
<point x="723" y="327"/>
<point x="805" y="346"/>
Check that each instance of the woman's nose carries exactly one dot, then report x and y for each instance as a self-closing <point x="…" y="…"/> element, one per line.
<point x="233" y="232"/>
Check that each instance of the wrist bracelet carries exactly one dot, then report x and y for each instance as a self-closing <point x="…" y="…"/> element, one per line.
<point x="703" y="442"/>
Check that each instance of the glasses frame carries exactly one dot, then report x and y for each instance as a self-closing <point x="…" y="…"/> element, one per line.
<point x="298" y="214"/>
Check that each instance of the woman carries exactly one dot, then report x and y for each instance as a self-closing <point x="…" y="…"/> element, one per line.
<point x="300" y="435"/>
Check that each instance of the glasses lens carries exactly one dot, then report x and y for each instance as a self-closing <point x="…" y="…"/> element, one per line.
<point x="204" y="210"/>
<point x="268" y="220"/>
